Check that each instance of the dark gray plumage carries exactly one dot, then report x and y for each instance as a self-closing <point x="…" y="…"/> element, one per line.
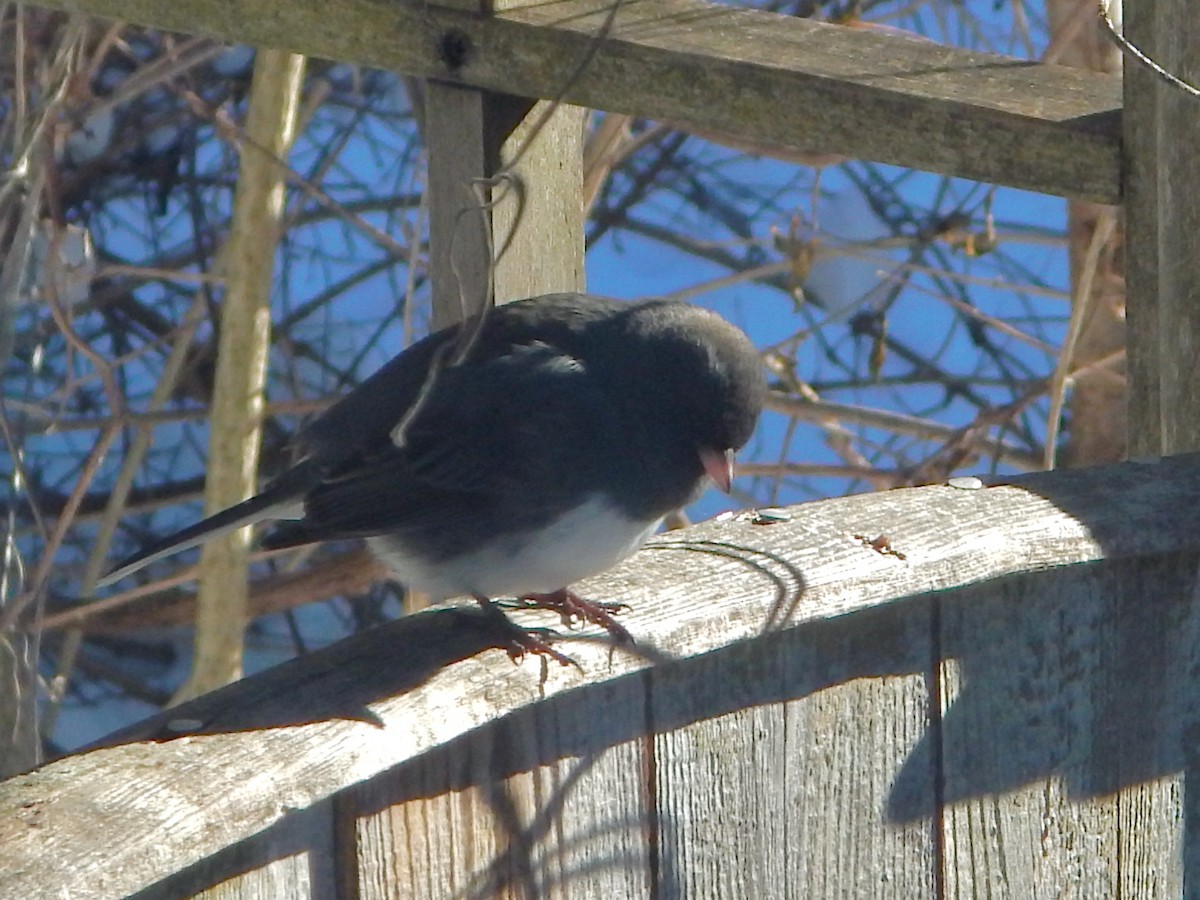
<point x="548" y="453"/>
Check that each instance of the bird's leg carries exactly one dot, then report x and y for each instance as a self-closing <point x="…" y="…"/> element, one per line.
<point x="523" y="640"/>
<point x="571" y="606"/>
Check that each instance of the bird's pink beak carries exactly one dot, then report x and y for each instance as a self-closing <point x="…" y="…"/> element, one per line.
<point x="718" y="466"/>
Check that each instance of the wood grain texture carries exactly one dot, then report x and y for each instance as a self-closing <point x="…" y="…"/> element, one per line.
<point x="802" y="731"/>
<point x="1163" y="268"/>
<point x="773" y="80"/>
<point x="506" y="207"/>
<point x="1034" y="690"/>
<point x="460" y="241"/>
<point x="787" y="798"/>
<point x="1162" y="312"/>
<point x="513" y="811"/>
<point x="538" y="218"/>
<point x="532" y="219"/>
<point x="293" y="860"/>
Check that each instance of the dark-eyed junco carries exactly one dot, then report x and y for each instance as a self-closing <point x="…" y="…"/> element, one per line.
<point x="516" y="456"/>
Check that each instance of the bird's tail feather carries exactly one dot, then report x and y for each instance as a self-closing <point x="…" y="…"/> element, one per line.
<point x="271" y="504"/>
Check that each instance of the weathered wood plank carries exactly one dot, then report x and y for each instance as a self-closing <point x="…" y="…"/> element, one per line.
<point x="259" y="753"/>
<point x="532" y="218"/>
<point x="789" y="798"/>
<point x="293" y="860"/>
<point x="506" y="181"/>
<point x="1162" y="278"/>
<point x="1163" y="268"/>
<point x="770" y="79"/>
<point x="460" y="240"/>
<point x="538" y="219"/>
<point x="572" y="820"/>
<point x="1045" y="693"/>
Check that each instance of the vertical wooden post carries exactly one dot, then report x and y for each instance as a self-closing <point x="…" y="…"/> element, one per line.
<point x="1162" y="177"/>
<point x="537" y="218"/>
<point x="532" y="220"/>
<point x="543" y="219"/>
<point x="459" y="237"/>
<point x="1162" y="270"/>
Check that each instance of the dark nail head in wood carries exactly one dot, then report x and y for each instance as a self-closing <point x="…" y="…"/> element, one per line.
<point x="455" y="48"/>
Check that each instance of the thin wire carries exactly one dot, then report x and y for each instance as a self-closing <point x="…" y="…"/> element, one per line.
<point x="1110" y="29"/>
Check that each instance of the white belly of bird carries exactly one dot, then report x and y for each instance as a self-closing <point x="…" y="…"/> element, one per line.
<point x="587" y="540"/>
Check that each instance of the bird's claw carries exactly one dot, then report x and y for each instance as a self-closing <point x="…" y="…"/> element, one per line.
<point x="536" y="641"/>
<point x="525" y="640"/>
<point x="571" y="608"/>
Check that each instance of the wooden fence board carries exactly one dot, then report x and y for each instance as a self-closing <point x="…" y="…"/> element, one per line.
<point x="771" y="80"/>
<point x="239" y="766"/>
<point x="455" y="824"/>
<point x="1019" y="713"/>
<point x="790" y="798"/>
<point x="294" y="859"/>
<point x="1068" y="716"/>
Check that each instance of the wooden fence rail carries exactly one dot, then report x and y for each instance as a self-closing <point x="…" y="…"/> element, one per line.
<point x="998" y="698"/>
<point x="782" y="84"/>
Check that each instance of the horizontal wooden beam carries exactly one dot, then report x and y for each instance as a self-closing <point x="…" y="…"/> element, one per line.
<point x="779" y="83"/>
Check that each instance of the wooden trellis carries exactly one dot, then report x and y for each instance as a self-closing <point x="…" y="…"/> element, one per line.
<point x="825" y="719"/>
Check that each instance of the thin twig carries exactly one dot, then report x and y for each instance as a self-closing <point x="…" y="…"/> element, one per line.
<point x="899" y="423"/>
<point x="1081" y="305"/>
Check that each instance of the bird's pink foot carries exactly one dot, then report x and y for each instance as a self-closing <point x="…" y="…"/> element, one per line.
<point x="571" y="607"/>
<point x="524" y="640"/>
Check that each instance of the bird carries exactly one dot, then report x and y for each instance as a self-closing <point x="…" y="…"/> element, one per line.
<point x="531" y="446"/>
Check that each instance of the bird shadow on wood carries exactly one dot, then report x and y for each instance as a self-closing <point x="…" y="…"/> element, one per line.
<point x="540" y="779"/>
<point x="1084" y="675"/>
<point x="786" y="579"/>
<point x="1070" y="674"/>
<point x="336" y="682"/>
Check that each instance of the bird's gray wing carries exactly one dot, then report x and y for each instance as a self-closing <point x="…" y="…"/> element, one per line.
<point x="492" y="424"/>
<point x="511" y="430"/>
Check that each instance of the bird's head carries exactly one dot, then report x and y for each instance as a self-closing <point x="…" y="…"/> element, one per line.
<point x="712" y="385"/>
